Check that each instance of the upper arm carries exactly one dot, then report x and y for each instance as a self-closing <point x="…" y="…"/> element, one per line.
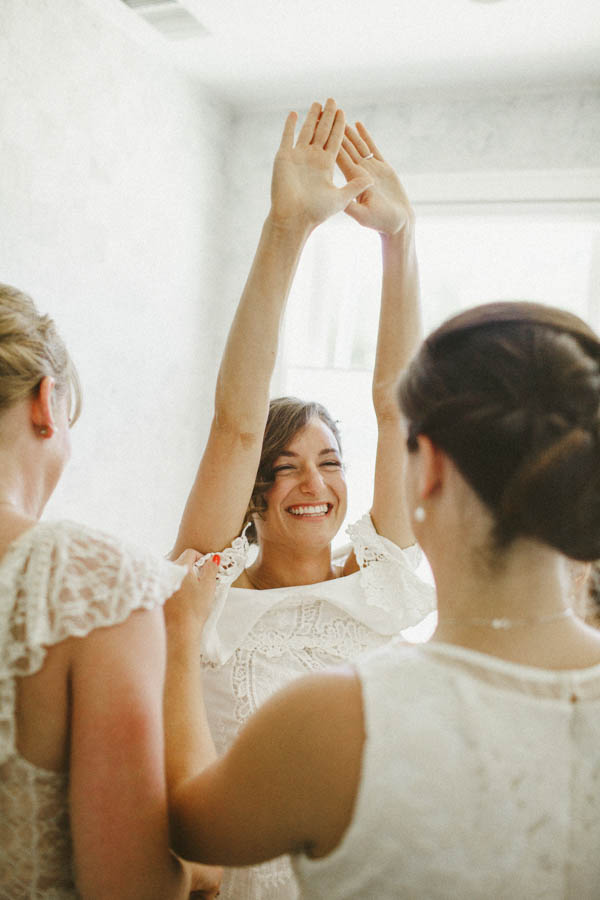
<point x="217" y="503"/>
<point x="390" y="513"/>
<point x="288" y="783"/>
<point x="117" y="783"/>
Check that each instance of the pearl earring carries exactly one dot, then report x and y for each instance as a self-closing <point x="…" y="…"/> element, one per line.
<point x="419" y="514"/>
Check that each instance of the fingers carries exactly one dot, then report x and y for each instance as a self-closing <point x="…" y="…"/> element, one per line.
<point x="188" y="558"/>
<point x="308" y="129"/>
<point x="207" y="566"/>
<point x="368" y="140"/>
<point x="359" y="145"/>
<point x="334" y="140"/>
<point x="351" y="150"/>
<point x="324" y="126"/>
<point x="287" y="138"/>
<point x="346" y="165"/>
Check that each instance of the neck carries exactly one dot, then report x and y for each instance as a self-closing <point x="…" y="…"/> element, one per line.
<point x="287" y="567"/>
<point x="23" y="489"/>
<point x="525" y="588"/>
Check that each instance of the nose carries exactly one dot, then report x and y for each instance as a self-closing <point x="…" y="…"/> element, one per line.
<point x="312" y="480"/>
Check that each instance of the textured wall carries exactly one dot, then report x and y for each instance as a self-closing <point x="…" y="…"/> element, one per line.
<point x="429" y="135"/>
<point x="111" y="183"/>
<point x="131" y="206"/>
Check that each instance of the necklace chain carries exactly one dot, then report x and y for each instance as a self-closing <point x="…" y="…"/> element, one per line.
<point x="503" y="623"/>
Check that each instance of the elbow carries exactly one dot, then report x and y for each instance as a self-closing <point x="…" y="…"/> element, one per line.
<point x="183" y="837"/>
<point x="385" y="404"/>
<point x="235" y="431"/>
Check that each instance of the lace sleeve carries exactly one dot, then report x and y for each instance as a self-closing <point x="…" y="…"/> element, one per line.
<point x="388" y="573"/>
<point x="233" y="562"/>
<point x="63" y="580"/>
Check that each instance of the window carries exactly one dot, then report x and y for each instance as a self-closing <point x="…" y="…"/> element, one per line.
<point x="468" y="254"/>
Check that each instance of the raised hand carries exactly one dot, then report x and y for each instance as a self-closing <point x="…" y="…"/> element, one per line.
<point x="302" y="188"/>
<point x="384" y="206"/>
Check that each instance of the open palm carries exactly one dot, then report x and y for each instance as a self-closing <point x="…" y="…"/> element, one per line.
<point x="302" y="184"/>
<point x="384" y="206"/>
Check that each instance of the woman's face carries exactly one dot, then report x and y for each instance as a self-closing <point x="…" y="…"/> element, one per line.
<point x="307" y="503"/>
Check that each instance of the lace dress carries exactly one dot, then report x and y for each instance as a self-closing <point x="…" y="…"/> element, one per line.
<point x="256" y="642"/>
<point x="56" y="580"/>
<point x="480" y="778"/>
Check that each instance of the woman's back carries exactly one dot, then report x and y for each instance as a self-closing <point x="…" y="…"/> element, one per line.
<point x="480" y="778"/>
<point x="60" y="697"/>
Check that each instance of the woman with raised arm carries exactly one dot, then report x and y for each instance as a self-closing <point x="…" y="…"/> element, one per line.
<point x="273" y="473"/>
<point x="83" y="810"/>
<point x="468" y="766"/>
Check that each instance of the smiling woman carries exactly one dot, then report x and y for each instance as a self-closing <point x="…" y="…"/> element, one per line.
<point x="295" y="609"/>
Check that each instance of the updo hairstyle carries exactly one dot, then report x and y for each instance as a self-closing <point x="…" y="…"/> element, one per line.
<point x="511" y="392"/>
<point x="287" y="415"/>
<point x="30" y="349"/>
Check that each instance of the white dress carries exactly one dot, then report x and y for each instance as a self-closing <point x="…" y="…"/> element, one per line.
<point x="480" y="779"/>
<point x="256" y="642"/>
<point x="57" y="580"/>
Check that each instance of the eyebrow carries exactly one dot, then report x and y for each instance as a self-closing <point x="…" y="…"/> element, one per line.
<point x="321" y="452"/>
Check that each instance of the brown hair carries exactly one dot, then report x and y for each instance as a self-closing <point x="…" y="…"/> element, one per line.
<point x="30" y="349"/>
<point x="287" y="416"/>
<point x="511" y="392"/>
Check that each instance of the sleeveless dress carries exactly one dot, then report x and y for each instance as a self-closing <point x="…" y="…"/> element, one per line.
<point x="57" y="580"/>
<point x="256" y="642"/>
<point x="480" y="778"/>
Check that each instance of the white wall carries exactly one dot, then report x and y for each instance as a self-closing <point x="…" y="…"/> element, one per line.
<point x="131" y="204"/>
<point x="111" y="185"/>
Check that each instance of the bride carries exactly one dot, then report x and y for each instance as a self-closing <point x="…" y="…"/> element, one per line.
<point x="272" y="473"/>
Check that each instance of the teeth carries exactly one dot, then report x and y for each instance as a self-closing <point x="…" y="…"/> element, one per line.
<point x="309" y="510"/>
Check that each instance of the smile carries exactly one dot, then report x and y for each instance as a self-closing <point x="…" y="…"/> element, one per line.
<point x="310" y="511"/>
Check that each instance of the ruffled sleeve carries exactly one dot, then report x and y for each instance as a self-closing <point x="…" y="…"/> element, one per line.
<point x="61" y="580"/>
<point x="388" y="574"/>
<point x="233" y="562"/>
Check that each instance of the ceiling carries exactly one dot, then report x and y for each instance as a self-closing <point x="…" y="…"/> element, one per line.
<point x="281" y="52"/>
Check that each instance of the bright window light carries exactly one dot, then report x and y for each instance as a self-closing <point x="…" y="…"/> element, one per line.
<point x="470" y="255"/>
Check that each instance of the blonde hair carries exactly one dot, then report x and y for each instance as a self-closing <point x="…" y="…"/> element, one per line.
<point x="30" y="350"/>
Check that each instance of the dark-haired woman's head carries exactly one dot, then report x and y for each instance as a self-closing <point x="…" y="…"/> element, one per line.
<point x="288" y="416"/>
<point x="510" y="392"/>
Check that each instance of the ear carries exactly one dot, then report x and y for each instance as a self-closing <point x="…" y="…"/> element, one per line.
<point x="42" y="416"/>
<point x="431" y="467"/>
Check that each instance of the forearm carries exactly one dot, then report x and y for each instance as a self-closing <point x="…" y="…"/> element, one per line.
<point x="188" y="740"/>
<point x="251" y="349"/>
<point x="399" y="319"/>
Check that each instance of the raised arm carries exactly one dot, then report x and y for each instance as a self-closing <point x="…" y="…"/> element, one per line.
<point x="302" y="196"/>
<point x="385" y="208"/>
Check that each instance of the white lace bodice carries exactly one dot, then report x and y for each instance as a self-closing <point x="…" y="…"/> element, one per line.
<point x="480" y="778"/>
<point x="258" y="641"/>
<point x="56" y="580"/>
